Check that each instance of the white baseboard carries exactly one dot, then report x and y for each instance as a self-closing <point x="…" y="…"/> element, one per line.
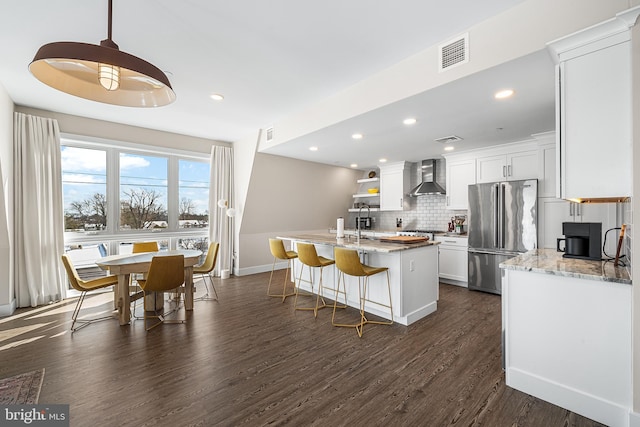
<point x="7" y="310"/>
<point x="590" y="406"/>
<point x="259" y="269"/>
<point x="634" y="419"/>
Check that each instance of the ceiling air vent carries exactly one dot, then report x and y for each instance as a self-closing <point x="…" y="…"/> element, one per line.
<point x="269" y="133"/>
<point x="454" y="52"/>
<point x="448" y="139"/>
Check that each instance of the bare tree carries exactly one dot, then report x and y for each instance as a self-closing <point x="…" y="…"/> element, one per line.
<point x="141" y="206"/>
<point x="80" y="209"/>
<point x="99" y="209"/>
<point x="186" y="208"/>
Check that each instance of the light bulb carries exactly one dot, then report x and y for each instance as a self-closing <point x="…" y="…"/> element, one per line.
<point x="109" y="76"/>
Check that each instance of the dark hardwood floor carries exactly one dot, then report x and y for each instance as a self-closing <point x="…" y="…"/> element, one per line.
<point x="251" y="360"/>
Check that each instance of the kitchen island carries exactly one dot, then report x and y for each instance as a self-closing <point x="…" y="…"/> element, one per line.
<point x="413" y="271"/>
<point x="567" y="333"/>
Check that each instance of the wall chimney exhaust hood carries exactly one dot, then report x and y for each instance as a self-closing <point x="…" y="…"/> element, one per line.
<point x="428" y="185"/>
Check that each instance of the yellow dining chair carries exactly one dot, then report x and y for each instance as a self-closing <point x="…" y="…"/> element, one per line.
<point x="206" y="269"/>
<point x="165" y="273"/>
<point x="85" y="286"/>
<point x="279" y="252"/>
<point x="348" y="263"/>
<point x="140" y="247"/>
<point x="308" y="256"/>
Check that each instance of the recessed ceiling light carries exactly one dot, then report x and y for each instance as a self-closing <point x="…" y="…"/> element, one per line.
<point x="217" y="97"/>
<point x="354" y="165"/>
<point x="357" y="136"/>
<point x="502" y="94"/>
<point x="382" y="160"/>
<point x="449" y="148"/>
<point x="409" y="121"/>
<point x="314" y="148"/>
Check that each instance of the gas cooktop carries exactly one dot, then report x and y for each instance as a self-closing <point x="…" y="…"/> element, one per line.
<point x="423" y="233"/>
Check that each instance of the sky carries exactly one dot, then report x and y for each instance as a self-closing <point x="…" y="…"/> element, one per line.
<point x="84" y="174"/>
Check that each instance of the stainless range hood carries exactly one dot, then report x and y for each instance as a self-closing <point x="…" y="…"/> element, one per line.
<point x="428" y="185"/>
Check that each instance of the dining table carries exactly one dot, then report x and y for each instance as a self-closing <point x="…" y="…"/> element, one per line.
<point x="124" y="265"/>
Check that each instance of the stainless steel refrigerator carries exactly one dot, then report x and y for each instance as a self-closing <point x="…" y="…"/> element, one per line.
<point x="502" y="224"/>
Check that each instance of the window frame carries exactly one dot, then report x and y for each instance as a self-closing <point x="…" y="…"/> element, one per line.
<point x="112" y="232"/>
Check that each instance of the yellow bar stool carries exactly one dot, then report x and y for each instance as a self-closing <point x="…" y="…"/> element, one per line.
<point x="348" y="262"/>
<point x="279" y="252"/>
<point x="308" y="256"/>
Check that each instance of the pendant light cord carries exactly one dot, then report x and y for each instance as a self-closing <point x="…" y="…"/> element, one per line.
<point x="109" y="20"/>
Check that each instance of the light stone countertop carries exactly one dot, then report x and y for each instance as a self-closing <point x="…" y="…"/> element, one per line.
<point x="371" y="245"/>
<point x="551" y="261"/>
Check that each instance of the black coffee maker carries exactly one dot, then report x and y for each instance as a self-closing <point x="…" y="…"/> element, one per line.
<point x="581" y="240"/>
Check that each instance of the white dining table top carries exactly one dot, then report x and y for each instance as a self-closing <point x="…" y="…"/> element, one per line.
<point x="143" y="257"/>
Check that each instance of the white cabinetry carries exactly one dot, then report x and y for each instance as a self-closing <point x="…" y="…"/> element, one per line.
<point x="594" y="110"/>
<point x="452" y="262"/>
<point x="508" y="167"/>
<point x="568" y="340"/>
<point x="547" y="176"/>
<point x="460" y="174"/>
<point x="395" y="179"/>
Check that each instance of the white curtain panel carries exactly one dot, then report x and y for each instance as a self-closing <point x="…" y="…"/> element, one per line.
<point x="38" y="212"/>
<point x="221" y="226"/>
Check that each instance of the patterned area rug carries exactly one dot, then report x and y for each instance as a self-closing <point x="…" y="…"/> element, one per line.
<point x="23" y="389"/>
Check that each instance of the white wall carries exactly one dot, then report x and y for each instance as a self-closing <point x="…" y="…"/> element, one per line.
<point x="119" y="132"/>
<point x="7" y="298"/>
<point x="286" y="195"/>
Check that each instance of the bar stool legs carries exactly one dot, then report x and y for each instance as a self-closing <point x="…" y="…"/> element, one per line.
<point x="278" y="251"/>
<point x="309" y="257"/>
<point x="348" y="263"/>
<point x="318" y="296"/>
<point x="358" y="326"/>
<point x="365" y="299"/>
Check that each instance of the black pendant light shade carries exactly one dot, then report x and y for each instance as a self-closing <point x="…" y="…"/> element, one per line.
<point x="102" y="73"/>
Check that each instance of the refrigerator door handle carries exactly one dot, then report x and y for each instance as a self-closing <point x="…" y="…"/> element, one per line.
<point x="496" y="208"/>
<point x="501" y="207"/>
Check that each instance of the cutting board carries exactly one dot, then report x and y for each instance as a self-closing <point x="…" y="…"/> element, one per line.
<point x="404" y="239"/>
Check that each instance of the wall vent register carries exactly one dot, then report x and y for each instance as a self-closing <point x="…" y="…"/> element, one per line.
<point x="454" y="52"/>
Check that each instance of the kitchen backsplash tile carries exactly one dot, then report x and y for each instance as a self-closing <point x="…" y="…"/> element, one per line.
<point x="427" y="213"/>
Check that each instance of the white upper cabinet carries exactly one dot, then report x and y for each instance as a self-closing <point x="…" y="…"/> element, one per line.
<point x="594" y="110"/>
<point x="547" y="174"/>
<point x="395" y="180"/>
<point x="508" y="167"/>
<point x="460" y="174"/>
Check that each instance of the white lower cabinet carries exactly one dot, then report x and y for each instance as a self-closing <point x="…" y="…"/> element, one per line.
<point x="453" y="262"/>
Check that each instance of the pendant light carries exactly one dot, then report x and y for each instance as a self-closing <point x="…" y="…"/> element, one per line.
<point x="102" y="73"/>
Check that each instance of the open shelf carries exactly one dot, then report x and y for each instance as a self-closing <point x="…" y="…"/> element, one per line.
<point x="365" y="180"/>
<point x="364" y="209"/>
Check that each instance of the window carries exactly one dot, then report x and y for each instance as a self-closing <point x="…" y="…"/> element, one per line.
<point x="193" y="193"/>
<point x="84" y="186"/>
<point x="143" y="192"/>
<point x="117" y="193"/>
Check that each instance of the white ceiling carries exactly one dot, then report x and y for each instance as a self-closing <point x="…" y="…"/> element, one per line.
<point x="271" y="59"/>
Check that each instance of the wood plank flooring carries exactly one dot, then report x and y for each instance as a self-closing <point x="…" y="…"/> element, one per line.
<point x="250" y="360"/>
